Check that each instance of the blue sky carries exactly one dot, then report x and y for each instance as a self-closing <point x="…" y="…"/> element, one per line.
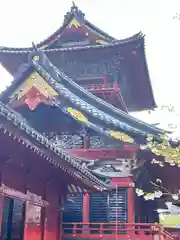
<point x="22" y="22"/>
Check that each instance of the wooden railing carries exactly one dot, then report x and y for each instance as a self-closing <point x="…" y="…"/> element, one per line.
<point x="115" y="231"/>
<point x="175" y="232"/>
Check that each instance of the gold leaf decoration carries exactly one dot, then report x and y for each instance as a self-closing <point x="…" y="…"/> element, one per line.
<point x="100" y="41"/>
<point x="77" y="115"/>
<point x="36" y="58"/>
<point x="74" y="23"/>
<point x="121" y="136"/>
<point x="34" y="81"/>
<point x="44" y="46"/>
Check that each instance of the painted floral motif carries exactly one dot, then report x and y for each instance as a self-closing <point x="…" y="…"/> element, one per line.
<point x="77" y="115"/>
<point x="121" y="136"/>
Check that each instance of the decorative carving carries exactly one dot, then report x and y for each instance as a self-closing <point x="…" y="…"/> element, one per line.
<point x="114" y="168"/>
<point x="33" y="214"/>
<point x="73" y="43"/>
<point x="74" y="24"/>
<point x="36" y="58"/>
<point x="66" y="140"/>
<point x="75" y="69"/>
<point x="100" y="41"/>
<point x="108" y="168"/>
<point x="33" y="91"/>
<point x="33" y="98"/>
<point x="30" y="197"/>
<point x="103" y="142"/>
<point x="78" y="14"/>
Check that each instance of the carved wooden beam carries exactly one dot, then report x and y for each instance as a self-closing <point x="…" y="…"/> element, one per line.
<point x="30" y="197"/>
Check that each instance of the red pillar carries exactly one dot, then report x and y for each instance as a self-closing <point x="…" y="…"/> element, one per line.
<point x="60" y="219"/>
<point x="1" y="196"/>
<point x="52" y="214"/>
<point x="32" y="229"/>
<point x="131" y="199"/>
<point x="86" y="142"/>
<point x="1" y="210"/>
<point x="86" y="208"/>
<point x="52" y="223"/>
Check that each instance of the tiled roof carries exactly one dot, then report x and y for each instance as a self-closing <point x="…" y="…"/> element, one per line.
<point x="110" y="114"/>
<point x="81" y="98"/>
<point x="122" y="42"/>
<point x="59" y="156"/>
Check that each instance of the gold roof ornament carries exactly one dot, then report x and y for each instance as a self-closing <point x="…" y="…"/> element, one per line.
<point x="77" y="115"/>
<point x="100" y="41"/>
<point x="74" y="23"/>
<point x="121" y="136"/>
<point x="36" y="58"/>
<point x="34" y="80"/>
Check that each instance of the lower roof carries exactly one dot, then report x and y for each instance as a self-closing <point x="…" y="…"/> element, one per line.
<point x="97" y="114"/>
<point x="45" y="148"/>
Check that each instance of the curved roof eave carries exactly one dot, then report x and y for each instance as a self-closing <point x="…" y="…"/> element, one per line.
<point x="118" y="113"/>
<point x="11" y="116"/>
<point x="124" y="116"/>
<point x="122" y="42"/>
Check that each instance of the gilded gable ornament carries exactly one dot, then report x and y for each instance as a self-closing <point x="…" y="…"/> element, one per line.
<point x="33" y="91"/>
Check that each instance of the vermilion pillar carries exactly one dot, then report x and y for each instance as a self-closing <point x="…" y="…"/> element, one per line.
<point x="1" y="210"/>
<point x="86" y="208"/>
<point x="32" y="228"/>
<point x="1" y="196"/>
<point x="86" y="142"/>
<point x="131" y="199"/>
<point x="52" y="214"/>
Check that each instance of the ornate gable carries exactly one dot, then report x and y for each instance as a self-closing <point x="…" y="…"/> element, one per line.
<point x="33" y="91"/>
<point x="76" y="31"/>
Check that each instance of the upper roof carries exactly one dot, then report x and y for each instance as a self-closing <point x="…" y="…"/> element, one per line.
<point x="76" y="31"/>
<point x="77" y="39"/>
<point x="127" y="59"/>
<point x="78" y="102"/>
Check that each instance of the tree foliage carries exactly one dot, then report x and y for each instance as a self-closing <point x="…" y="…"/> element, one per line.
<point x="165" y="150"/>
